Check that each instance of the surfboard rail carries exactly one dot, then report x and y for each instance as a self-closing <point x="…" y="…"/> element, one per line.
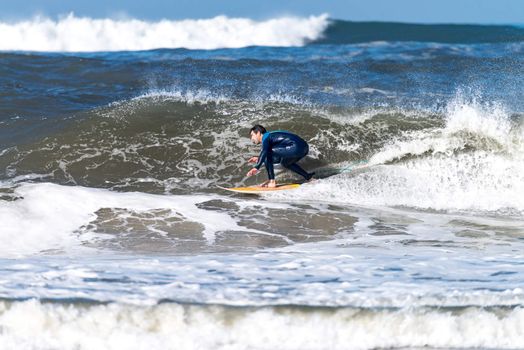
<point x="260" y="190"/>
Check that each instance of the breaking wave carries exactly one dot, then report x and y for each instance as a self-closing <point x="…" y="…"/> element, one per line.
<point x="174" y="326"/>
<point x="81" y="34"/>
<point x="466" y="156"/>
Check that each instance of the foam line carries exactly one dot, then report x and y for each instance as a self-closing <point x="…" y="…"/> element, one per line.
<point x="172" y="326"/>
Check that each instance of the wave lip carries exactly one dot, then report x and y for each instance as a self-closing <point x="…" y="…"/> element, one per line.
<point x="84" y="34"/>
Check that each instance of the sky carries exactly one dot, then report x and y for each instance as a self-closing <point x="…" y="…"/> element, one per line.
<point x="413" y="11"/>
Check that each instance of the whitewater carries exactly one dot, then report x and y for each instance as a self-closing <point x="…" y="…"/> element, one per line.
<point x="117" y="134"/>
<point x="78" y="34"/>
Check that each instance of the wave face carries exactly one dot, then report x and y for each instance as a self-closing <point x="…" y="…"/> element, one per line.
<point x="86" y="34"/>
<point x="468" y="156"/>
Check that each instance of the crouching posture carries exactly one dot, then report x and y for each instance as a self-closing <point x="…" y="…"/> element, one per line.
<point x="278" y="147"/>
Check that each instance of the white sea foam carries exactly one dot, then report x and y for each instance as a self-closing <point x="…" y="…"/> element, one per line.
<point x="466" y="182"/>
<point x="77" y="34"/>
<point x="46" y="216"/>
<point x="475" y="162"/>
<point x="189" y="96"/>
<point x="172" y="326"/>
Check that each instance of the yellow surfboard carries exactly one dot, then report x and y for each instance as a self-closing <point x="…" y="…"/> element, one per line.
<point x="260" y="190"/>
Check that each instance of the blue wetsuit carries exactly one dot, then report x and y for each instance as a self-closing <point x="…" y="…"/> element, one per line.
<point x="285" y="148"/>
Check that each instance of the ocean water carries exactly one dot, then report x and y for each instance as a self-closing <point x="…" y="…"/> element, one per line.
<point x="115" y="135"/>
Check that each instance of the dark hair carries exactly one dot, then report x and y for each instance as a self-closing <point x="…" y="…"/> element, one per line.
<point x="257" y="128"/>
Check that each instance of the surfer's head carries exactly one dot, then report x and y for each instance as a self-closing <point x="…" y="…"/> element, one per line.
<point x="256" y="133"/>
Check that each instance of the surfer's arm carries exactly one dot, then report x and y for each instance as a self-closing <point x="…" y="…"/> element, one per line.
<point x="266" y="158"/>
<point x="261" y="158"/>
<point x="269" y="168"/>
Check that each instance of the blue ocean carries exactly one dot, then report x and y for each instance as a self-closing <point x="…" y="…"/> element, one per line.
<point x="116" y="136"/>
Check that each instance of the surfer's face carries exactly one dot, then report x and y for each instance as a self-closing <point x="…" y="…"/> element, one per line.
<point x="256" y="137"/>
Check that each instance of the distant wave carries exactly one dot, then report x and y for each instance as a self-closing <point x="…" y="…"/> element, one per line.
<point x="83" y="34"/>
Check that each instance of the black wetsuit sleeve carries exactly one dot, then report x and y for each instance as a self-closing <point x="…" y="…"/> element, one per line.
<point x="266" y="158"/>
<point x="269" y="167"/>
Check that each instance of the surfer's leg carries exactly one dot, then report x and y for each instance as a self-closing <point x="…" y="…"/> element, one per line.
<point x="292" y="165"/>
<point x="297" y="169"/>
<point x="290" y="157"/>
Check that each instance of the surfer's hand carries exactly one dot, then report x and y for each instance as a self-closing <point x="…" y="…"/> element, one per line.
<point x="252" y="172"/>
<point x="253" y="160"/>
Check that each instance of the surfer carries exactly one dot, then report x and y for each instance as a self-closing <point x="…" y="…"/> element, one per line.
<point x="277" y="147"/>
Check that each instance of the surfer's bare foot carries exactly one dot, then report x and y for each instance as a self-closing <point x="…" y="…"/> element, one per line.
<point x="272" y="184"/>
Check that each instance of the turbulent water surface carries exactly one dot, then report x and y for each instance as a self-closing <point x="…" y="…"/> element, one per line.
<point x="114" y="232"/>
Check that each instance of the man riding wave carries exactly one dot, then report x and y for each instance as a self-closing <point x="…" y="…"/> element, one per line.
<point x="281" y="147"/>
